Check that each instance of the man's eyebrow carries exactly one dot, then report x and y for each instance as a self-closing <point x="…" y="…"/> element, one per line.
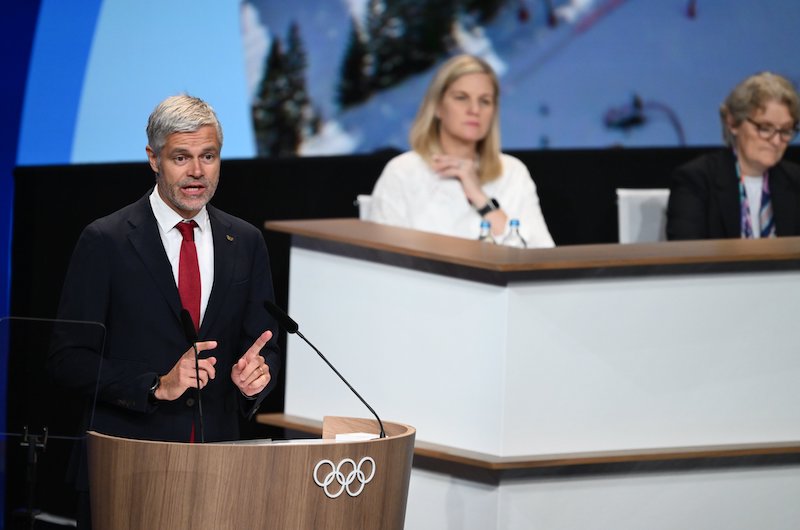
<point x="178" y="150"/>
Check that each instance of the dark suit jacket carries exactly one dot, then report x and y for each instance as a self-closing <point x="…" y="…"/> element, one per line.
<point x="704" y="198"/>
<point x="120" y="276"/>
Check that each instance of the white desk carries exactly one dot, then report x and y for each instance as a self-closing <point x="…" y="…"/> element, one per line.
<point x="551" y="352"/>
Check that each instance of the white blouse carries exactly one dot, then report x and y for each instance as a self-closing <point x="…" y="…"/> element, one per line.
<point x="410" y="194"/>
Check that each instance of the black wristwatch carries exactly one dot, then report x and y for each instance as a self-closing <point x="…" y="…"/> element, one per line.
<point x="151" y="395"/>
<point x="490" y="206"/>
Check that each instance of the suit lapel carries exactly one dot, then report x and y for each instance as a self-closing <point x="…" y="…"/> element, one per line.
<point x="782" y="196"/>
<point x="728" y="192"/>
<point x="146" y="241"/>
<point x="225" y="249"/>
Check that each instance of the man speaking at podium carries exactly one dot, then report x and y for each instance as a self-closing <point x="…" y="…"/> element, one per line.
<point x="136" y="271"/>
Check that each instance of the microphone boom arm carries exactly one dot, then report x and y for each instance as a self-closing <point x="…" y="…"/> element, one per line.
<point x="380" y="423"/>
<point x="286" y="322"/>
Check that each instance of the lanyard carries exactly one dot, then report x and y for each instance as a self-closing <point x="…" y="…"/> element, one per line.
<point x="767" y="228"/>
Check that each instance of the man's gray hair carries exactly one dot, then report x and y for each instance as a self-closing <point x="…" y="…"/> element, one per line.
<point x="179" y="114"/>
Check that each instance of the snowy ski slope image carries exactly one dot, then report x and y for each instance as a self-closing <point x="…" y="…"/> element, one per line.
<point x="573" y="73"/>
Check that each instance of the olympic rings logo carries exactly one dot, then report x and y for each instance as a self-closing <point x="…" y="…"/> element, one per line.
<point x="345" y="474"/>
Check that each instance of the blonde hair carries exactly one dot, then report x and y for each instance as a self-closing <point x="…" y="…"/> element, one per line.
<point x="753" y="94"/>
<point x="424" y="136"/>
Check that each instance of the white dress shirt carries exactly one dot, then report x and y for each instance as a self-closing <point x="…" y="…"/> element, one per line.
<point x="167" y="218"/>
<point x="752" y="188"/>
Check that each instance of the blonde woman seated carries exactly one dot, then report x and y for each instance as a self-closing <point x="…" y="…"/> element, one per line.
<point x="456" y="174"/>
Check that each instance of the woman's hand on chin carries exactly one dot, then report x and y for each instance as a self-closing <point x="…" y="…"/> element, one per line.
<point x="466" y="171"/>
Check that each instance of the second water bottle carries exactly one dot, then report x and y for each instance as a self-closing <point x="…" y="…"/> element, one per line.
<point x="514" y="238"/>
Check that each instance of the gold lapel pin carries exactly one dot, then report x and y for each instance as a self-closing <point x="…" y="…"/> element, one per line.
<point x="229" y="237"/>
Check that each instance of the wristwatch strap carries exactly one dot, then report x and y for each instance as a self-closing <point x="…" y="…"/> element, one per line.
<point x="491" y="205"/>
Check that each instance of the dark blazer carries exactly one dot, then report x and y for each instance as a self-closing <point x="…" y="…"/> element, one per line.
<point x="704" y="198"/>
<point x="120" y="276"/>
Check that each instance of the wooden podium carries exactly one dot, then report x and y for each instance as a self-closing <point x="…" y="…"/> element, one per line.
<point x="138" y="484"/>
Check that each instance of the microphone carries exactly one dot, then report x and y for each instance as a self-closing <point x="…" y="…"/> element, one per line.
<point x="190" y="333"/>
<point x="291" y="326"/>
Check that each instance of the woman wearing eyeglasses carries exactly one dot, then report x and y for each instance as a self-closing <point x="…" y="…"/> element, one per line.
<point x="746" y="190"/>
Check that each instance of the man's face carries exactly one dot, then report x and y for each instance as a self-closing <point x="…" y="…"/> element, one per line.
<point x="188" y="170"/>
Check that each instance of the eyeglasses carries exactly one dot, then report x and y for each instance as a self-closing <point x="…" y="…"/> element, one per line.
<point x="766" y="132"/>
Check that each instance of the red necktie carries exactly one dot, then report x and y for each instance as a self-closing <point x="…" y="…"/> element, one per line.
<point x="189" y="272"/>
<point x="189" y="279"/>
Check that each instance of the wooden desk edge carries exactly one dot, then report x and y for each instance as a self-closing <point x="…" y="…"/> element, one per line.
<point x="369" y="240"/>
<point x="487" y="462"/>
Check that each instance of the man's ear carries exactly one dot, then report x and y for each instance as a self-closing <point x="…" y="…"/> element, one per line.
<point x="152" y="158"/>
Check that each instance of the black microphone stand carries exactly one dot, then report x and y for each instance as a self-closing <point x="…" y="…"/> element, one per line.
<point x="34" y="444"/>
<point x="380" y="423"/>
<point x="286" y="322"/>
<point x="199" y="394"/>
<point x="191" y="336"/>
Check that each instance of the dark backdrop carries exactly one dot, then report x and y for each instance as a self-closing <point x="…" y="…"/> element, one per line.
<point x="52" y="204"/>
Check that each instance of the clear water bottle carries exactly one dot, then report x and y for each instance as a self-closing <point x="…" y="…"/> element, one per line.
<point x="486" y="232"/>
<point x="514" y="238"/>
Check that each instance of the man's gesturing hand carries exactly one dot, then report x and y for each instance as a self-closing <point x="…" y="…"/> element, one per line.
<point x="183" y="376"/>
<point x="251" y="372"/>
